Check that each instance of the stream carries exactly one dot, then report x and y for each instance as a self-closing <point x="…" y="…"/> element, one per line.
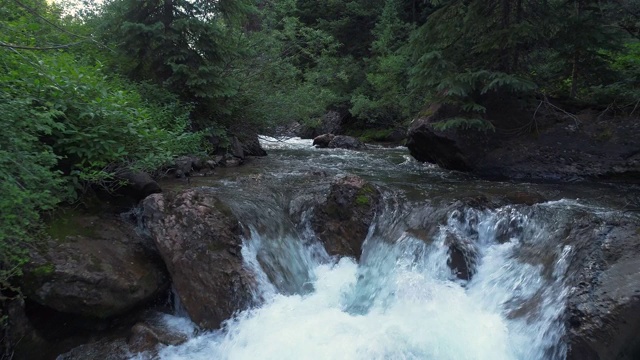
<point x="402" y="300"/>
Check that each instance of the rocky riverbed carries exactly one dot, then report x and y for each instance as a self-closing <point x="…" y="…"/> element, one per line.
<point x="551" y="265"/>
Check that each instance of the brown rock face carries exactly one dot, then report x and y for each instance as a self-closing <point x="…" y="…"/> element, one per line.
<point x="99" y="268"/>
<point x="342" y="222"/>
<point x="199" y="239"/>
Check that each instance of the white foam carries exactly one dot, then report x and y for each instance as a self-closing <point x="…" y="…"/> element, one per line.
<point x="403" y="302"/>
<point x="269" y="143"/>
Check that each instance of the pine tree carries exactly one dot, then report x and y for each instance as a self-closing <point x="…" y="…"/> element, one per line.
<point x="187" y="46"/>
<point x="384" y="100"/>
<point x="469" y="51"/>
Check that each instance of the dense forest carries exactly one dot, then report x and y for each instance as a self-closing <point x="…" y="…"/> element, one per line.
<point x="90" y="89"/>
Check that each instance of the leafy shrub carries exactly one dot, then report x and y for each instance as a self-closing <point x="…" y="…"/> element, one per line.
<point x="100" y="123"/>
<point x="28" y="182"/>
<point x="66" y="125"/>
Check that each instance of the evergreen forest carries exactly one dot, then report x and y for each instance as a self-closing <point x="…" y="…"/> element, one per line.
<point x="88" y="89"/>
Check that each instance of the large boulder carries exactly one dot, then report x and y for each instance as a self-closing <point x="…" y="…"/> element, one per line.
<point x="236" y="148"/>
<point x="346" y="142"/>
<point x="247" y="138"/>
<point x="603" y="315"/>
<point x="150" y="333"/>
<point x="322" y="141"/>
<point x="104" y="349"/>
<point x="94" y="267"/>
<point x="338" y="142"/>
<point x="251" y="146"/>
<point x="463" y="255"/>
<point x="199" y="239"/>
<point x="454" y="149"/>
<point x="552" y="147"/>
<point x="136" y="184"/>
<point x="343" y="220"/>
<point x="240" y="140"/>
<point x="148" y="336"/>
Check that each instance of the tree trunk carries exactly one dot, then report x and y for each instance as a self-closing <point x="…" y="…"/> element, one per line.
<point x="576" y="59"/>
<point x="516" y="52"/>
<point x="574" y="76"/>
<point x="504" y="52"/>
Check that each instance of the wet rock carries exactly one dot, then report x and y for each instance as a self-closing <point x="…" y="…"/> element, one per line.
<point x="199" y="239"/>
<point x="322" y="141"/>
<point x="345" y="142"/>
<point x="603" y="310"/>
<point x="185" y="165"/>
<point x="508" y="228"/>
<point x="236" y="148"/>
<point x="94" y="267"/>
<point x="248" y="140"/>
<point x="231" y="161"/>
<point x="462" y="255"/>
<point x="342" y="221"/>
<point x="147" y="336"/>
<point x="251" y="146"/>
<point x="211" y="163"/>
<point x="450" y="149"/>
<point x="104" y="349"/>
<point x="293" y="129"/>
<point x="138" y="184"/>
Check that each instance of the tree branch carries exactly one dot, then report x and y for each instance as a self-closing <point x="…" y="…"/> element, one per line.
<point x="35" y="13"/>
<point x="52" y="47"/>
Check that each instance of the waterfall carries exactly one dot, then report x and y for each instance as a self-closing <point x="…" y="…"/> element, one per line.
<point x="403" y="300"/>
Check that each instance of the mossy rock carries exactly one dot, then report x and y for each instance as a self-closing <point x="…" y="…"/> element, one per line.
<point x="94" y="267"/>
<point x="342" y="221"/>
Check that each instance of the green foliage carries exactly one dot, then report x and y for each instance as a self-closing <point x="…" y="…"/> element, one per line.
<point x="350" y="22"/>
<point x="187" y="47"/>
<point x="385" y="99"/>
<point x="469" y="51"/>
<point x="67" y="125"/>
<point x="371" y="135"/>
<point x="287" y="73"/>
<point x="626" y="90"/>
<point x="362" y="200"/>
<point x="28" y="182"/>
<point x="100" y="124"/>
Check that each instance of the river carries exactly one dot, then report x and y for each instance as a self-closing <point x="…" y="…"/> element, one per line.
<point x="402" y="300"/>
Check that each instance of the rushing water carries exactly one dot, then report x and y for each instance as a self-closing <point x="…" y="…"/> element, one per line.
<point x="403" y="300"/>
